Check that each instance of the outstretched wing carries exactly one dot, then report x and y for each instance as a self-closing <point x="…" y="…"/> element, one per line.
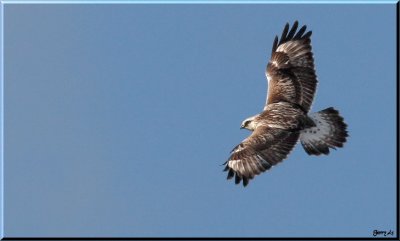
<point x="290" y="72"/>
<point x="264" y="148"/>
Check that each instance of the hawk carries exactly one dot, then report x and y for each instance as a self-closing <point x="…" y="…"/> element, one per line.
<point x="292" y="83"/>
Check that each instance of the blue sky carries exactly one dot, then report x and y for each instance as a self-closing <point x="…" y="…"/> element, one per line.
<point x="118" y="118"/>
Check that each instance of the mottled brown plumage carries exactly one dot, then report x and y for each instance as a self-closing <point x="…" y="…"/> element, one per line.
<point x="292" y="85"/>
<point x="290" y="72"/>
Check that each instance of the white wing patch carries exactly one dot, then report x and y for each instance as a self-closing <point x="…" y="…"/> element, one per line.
<point x="234" y="164"/>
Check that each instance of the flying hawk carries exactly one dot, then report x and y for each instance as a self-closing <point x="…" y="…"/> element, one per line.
<point x="292" y="83"/>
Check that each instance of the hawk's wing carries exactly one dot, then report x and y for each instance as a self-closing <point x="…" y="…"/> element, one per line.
<point x="290" y="72"/>
<point x="264" y="148"/>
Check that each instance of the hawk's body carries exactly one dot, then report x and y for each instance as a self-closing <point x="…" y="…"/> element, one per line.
<point x="292" y="84"/>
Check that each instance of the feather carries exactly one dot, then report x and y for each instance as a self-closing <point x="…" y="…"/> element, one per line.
<point x="292" y="83"/>
<point x="274" y="45"/>
<point x="231" y="173"/>
<point x="292" y="31"/>
<point x="285" y="31"/>
<point x="300" y="33"/>
<point x="290" y="72"/>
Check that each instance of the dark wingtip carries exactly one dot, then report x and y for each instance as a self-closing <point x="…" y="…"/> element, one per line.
<point x="275" y="44"/>
<point x="284" y="33"/>
<point x="291" y="35"/>
<point x="245" y="181"/>
<point x="237" y="179"/>
<point x="287" y="25"/>
<point x="300" y="32"/>
<point x="307" y="35"/>
<point x="231" y="173"/>
<point x="292" y="30"/>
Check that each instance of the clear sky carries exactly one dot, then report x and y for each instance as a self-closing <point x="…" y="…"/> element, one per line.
<point x="118" y="118"/>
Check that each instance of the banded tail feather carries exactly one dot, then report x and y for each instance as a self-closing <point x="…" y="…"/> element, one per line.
<point x="329" y="131"/>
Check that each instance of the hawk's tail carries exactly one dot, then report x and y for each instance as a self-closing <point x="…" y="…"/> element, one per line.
<point x="329" y="132"/>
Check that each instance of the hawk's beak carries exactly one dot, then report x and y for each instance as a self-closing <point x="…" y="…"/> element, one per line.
<point x="241" y="127"/>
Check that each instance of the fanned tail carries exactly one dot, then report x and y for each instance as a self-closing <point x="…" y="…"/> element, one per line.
<point x="329" y="131"/>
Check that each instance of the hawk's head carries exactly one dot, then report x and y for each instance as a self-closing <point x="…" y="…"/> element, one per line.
<point x="249" y="123"/>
